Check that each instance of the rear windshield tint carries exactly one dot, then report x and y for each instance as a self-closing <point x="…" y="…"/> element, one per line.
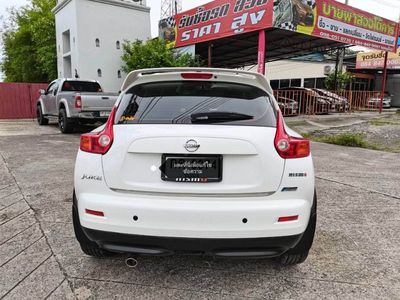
<point x="196" y="102"/>
<point x="81" y="86"/>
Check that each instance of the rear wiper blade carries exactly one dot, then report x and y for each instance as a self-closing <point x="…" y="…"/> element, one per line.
<point x="218" y="116"/>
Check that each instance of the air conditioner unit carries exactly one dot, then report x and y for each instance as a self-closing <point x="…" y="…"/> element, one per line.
<point x="327" y="70"/>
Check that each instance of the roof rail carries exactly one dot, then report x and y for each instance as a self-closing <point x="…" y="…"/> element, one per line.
<point x="134" y="75"/>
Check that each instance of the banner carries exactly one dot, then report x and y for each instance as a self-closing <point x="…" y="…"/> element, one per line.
<point x="333" y="20"/>
<point x="215" y="20"/>
<point x="376" y="60"/>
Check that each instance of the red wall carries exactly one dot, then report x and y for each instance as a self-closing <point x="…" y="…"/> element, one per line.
<point x="18" y="100"/>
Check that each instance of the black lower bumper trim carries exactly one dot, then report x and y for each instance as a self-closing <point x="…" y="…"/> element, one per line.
<point x="154" y="245"/>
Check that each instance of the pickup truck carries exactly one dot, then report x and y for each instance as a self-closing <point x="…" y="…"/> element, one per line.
<point x="73" y="102"/>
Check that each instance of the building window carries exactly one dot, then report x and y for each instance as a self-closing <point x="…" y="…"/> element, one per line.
<point x="309" y="83"/>
<point x="97" y="41"/>
<point x="274" y="84"/>
<point x="320" y="83"/>
<point x="295" y="82"/>
<point x="99" y="72"/>
<point x="118" y="45"/>
<point x="119" y="74"/>
<point x="284" y="83"/>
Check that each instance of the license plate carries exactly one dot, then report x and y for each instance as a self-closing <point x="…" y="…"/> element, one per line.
<point x="191" y="168"/>
<point x="104" y="114"/>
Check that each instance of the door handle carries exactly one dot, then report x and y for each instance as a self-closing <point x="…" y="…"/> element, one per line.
<point x="105" y="98"/>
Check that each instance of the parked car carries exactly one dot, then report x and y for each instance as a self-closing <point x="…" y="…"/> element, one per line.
<point x="375" y="100"/>
<point x="338" y="103"/>
<point x="195" y="161"/>
<point x="72" y="102"/>
<point x="309" y="101"/>
<point x="288" y="106"/>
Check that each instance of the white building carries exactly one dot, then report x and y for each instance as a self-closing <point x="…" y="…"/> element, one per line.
<point x="90" y="34"/>
<point x="297" y="73"/>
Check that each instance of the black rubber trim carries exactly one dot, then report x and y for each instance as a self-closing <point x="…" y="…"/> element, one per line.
<point x="153" y="245"/>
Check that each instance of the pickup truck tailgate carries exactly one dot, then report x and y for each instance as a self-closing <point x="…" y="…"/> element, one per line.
<point x="98" y="101"/>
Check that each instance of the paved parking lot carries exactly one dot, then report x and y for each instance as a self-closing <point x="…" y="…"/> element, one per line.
<point x="356" y="254"/>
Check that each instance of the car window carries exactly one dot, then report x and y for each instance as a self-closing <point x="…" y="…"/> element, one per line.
<point x="81" y="86"/>
<point x="177" y="102"/>
<point x="50" y="89"/>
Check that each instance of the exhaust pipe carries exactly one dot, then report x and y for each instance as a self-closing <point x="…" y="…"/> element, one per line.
<point x="131" y="262"/>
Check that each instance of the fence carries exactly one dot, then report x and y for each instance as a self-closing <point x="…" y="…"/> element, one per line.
<point x="18" y="100"/>
<point x="294" y="101"/>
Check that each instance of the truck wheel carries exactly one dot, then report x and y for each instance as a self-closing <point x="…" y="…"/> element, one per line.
<point x="39" y="116"/>
<point x="299" y="253"/>
<point x="88" y="247"/>
<point x="64" y="123"/>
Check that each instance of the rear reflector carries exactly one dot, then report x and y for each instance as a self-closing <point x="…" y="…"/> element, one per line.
<point x="94" y="212"/>
<point x="288" y="219"/>
<point x="197" y="75"/>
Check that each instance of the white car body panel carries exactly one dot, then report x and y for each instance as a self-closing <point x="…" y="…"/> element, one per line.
<point x="126" y="181"/>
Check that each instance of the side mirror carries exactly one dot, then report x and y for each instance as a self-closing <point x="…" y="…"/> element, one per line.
<point x="42" y="92"/>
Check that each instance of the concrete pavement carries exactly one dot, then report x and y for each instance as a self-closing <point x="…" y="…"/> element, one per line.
<point x="356" y="253"/>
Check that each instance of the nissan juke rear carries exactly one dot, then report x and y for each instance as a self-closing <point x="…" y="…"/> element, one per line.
<point x="195" y="161"/>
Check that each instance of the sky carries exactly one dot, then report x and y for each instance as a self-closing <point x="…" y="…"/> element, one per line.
<point x="389" y="9"/>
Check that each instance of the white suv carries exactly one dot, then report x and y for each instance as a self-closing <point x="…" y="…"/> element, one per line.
<point x="195" y="161"/>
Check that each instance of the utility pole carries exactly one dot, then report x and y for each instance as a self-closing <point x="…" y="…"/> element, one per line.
<point x="342" y="52"/>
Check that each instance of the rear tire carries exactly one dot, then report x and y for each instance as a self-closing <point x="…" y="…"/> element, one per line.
<point x="88" y="247"/>
<point x="64" y="123"/>
<point x="39" y="116"/>
<point x="299" y="253"/>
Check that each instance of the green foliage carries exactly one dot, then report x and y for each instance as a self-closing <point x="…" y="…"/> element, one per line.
<point x="29" y="40"/>
<point x="345" y="139"/>
<point x="342" y="80"/>
<point x="154" y="54"/>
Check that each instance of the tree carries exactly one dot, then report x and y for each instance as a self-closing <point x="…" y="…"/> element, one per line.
<point x="154" y="54"/>
<point x="29" y="40"/>
<point x="342" y="80"/>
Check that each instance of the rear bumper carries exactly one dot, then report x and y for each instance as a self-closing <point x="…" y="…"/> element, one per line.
<point x="154" y="245"/>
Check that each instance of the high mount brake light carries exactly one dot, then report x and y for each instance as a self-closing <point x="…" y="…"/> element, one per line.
<point x="99" y="142"/>
<point x="287" y="146"/>
<point x="196" y="75"/>
<point x="78" y="101"/>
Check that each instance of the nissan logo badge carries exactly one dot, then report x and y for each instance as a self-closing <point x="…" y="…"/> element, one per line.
<point x="191" y="146"/>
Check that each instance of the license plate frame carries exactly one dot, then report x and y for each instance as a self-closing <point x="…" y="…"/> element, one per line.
<point x="211" y="172"/>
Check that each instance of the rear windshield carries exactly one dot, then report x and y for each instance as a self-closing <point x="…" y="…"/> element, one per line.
<point x="81" y="86"/>
<point x="196" y="102"/>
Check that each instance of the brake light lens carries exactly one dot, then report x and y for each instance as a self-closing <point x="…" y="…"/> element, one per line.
<point x="289" y="147"/>
<point x="78" y="101"/>
<point x="100" y="142"/>
<point x="196" y="75"/>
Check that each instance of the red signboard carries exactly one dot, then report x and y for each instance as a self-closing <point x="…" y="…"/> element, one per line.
<point x="217" y="19"/>
<point x="333" y="20"/>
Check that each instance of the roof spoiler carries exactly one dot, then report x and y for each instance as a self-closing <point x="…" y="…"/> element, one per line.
<point x="134" y="75"/>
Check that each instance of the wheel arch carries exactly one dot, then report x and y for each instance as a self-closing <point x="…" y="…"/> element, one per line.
<point x="64" y="105"/>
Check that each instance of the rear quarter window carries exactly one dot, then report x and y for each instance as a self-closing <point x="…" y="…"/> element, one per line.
<point x="189" y="102"/>
<point x="81" y="86"/>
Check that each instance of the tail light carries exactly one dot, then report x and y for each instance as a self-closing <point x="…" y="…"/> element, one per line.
<point x="78" y="101"/>
<point x="287" y="146"/>
<point x="99" y="142"/>
<point x="196" y="75"/>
